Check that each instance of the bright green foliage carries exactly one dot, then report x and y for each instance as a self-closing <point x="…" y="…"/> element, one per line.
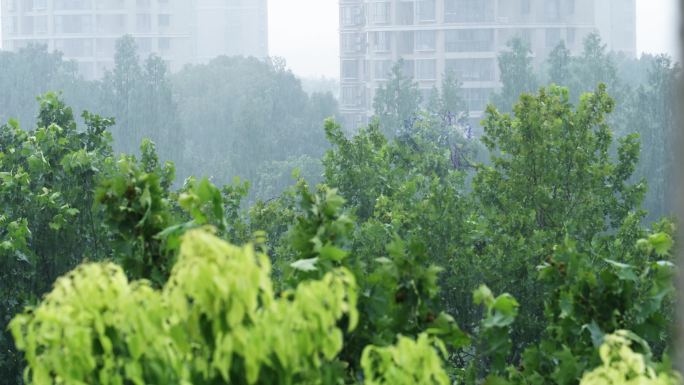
<point x="494" y="331"/>
<point x="136" y="207"/>
<point x="208" y="205"/>
<point x="48" y="224"/>
<point x="373" y="271"/>
<point x="96" y="328"/>
<point x="216" y="319"/>
<point x="589" y="298"/>
<point x="396" y="190"/>
<point x="644" y="90"/>
<point x="318" y="238"/>
<point x="551" y="176"/>
<point x="236" y="330"/>
<point x="622" y="366"/>
<point x="408" y="362"/>
<point x="399" y="287"/>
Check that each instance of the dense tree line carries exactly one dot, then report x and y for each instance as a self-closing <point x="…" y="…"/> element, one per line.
<point x="424" y="255"/>
<point x="240" y="117"/>
<point x="392" y="284"/>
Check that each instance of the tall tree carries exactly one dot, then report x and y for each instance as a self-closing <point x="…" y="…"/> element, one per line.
<point x="517" y="74"/>
<point x="560" y="65"/>
<point x="551" y="176"/>
<point x="397" y="102"/>
<point x="120" y="88"/>
<point x="651" y="112"/>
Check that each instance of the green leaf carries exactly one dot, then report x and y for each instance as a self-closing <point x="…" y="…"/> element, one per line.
<point x="305" y="265"/>
<point x="661" y="242"/>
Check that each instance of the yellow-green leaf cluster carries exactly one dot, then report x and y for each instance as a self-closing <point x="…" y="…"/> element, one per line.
<point x="408" y="362"/>
<point x="216" y="320"/>
<point x="621" y="365"/>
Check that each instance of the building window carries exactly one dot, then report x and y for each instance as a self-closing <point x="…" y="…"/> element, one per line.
<point x="477" y="98"/>
<point x="381" y="12"/>
<point x="459" y="11"/>
<point x="39" y="5"/>
<point x="144" y="22"/>
<point x="425" y="40"/>
<point x="350" y="43"/>
<point x="75" y="47"/>
<point x="164" y="43"/>
<point x="164" y="20"/>
<point x="426" y="69"/>
<point x="40" y="25"/>
<point x="27" y="25"/>
<point x="107" y="4"/>
<point x="351" y="16"/>
<point x="72" y="5"/>
<point x="405" y="13"/>
<point x="527" y="35"/>
<point x="525" y="7"/>
<point x="553" y="37"/>
<point x="144" y="45"/>
<point x="382" y="42"/>
<point x="426" y="10"/>
<point x="570" y="37"/>
<point x="472" y="70"/>
<point x="111" y="24"/>
<point x="106" y="47"/>
<point x="469" y="40"/>
<point x="351" y="96"/>
<point x="552" y="10"/>
<point x="570" y="6"/>
<point x="405" y="43"/>
<point x="350" y="69"/>
<point x="408" y="68"/>
<point x="72" y="24"/>
<point x="11" y="25"/>
<point x="382" y="69"/>
<point x="144" y="4"/>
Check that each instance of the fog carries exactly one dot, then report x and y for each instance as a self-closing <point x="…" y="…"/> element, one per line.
<point x="316" y="54"/>
<point x="368" y="192"/>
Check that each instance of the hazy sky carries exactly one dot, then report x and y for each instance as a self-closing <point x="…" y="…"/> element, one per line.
<point x="304" y="32"/>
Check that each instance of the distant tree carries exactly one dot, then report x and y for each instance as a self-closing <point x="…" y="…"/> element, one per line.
<point x="120" y="94"/>
<point x="240" y="114"/>
<point x="595" y="66"/>
<point x="517" y="74"/>
<point x="158" y="110"/>
<point x="651" y="112"/>
<point x="397" y="102"/>
<point x="33" y="71"/>
<point x="560" y="65"/>
<point x="450" y="103"/>
<point x="140" y="96"/>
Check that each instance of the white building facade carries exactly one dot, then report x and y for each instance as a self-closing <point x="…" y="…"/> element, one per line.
<point x="180" y="31"/>
<point x="466" y="36"/>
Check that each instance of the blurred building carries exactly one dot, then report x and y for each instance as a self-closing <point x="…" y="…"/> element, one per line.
<point x="180" y="31"/>
<point x="433" y="36"/>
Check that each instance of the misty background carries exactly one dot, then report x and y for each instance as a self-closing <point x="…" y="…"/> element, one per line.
<point x="317" y="54"/>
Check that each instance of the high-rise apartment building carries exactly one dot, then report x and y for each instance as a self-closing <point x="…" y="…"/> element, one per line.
<point x="180" y="31"/>
<point x="466" y="36"/>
